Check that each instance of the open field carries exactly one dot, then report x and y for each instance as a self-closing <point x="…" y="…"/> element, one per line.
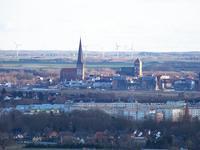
<point x="147" y="66"/>
<point x="172" y="61"/>
<point x="129" y="95"/>
<point x="61" y="65"/>
<point x="7" y="55"/>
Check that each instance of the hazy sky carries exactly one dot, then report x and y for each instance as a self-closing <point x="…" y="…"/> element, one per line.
<point x="150" y="25"/>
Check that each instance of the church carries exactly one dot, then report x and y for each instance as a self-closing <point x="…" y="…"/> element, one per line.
<point x="78" y="73"/>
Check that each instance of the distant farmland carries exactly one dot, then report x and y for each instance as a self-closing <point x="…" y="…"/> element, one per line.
<point x="172" y="61"/>
<point x="147" y="66"/>
<point x="56" y="65"/>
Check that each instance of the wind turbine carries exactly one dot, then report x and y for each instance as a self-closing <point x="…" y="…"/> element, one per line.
<point x="117" y="49"/>
<point x="103" y="53"/>
<point x="17" y="45"/>
<point x="85" y="49"/>
<point x="132" y="51"/>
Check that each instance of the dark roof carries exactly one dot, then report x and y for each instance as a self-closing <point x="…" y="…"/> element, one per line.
<point x="69" y="70"/>
<point x="103" y="80"/>
<point x="145" y="78"/>
<point x="137" y="60"/>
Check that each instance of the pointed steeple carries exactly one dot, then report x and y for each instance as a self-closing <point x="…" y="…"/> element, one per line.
<point x="80" y="54"/>
<point x="80" y="63"/>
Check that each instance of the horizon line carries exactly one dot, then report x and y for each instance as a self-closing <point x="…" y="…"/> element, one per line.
<point x="100" y="51"/>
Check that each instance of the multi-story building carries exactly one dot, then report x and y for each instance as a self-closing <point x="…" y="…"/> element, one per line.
<point x="133" y="111"/>
<point x="194" y="112"/>
<point x="164" y="82"/>
<point x="119" y="83"/>
<point x="149" y="82"/>
<point x="184" y="84"/>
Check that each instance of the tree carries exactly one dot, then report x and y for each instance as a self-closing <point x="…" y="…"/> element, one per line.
<point x="3" y="92"/>
<point x="4" y="140"/>
<point x="41" y="96"/>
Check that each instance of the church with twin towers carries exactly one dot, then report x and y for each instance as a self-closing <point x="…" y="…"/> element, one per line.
<point x="78" y="73"/>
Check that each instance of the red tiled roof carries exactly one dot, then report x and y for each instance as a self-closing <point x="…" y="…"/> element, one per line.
<point x="69" y="70"/>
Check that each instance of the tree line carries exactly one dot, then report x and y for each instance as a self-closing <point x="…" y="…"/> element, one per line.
<point x="184" y="133"/>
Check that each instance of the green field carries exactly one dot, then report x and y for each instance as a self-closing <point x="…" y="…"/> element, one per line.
<point x="147" y="66"/>
<point x="60" y="65"/>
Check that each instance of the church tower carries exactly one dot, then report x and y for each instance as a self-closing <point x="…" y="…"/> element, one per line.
<point x="138" y="67"/>
<point x="80" y="64"/>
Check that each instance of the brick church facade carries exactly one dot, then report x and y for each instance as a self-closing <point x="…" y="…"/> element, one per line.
<point x="68" y="74"/>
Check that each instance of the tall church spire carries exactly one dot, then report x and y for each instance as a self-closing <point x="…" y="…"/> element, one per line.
<point x="80" y="64"/>
<point x="80" y="53"/>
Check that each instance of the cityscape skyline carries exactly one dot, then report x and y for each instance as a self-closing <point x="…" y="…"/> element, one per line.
<point x="91" y="74"/>
<point x="103" y="25"/>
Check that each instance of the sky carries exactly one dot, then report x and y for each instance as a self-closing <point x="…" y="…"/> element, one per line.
<point x="103" y="25"/>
